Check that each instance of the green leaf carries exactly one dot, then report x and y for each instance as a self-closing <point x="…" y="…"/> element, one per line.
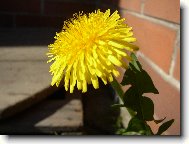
<point x="148" y="130"/>
<point x="136" y="76"/>
<point x="145" y="83"/>
<point x="131" y="133"/>
<point x="139" y="126"/>
<point x="147" y="107"/>
<point x="159" y="121"/>
<point x="164" y="127"/>
<point x="131" y="99"/>
<point x="136" y="125"/>
<point x="120" y="131"/>
<point x="117" y="105"/>
<point x="118" y="89"/>
<point x="135" y="62"/>
<point x="128" y="78"/>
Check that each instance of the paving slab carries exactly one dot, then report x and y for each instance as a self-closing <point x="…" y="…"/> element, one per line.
<point x="24" y="78"/>
<point x="62" y="115"/>
<point x="23" y="53"/>
<point x="68" y="118"/>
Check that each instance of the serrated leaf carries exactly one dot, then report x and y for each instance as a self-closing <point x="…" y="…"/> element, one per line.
<point x="159" y="121"/>
<point x="131" y="99"/>
<point x="164" y="127"/>
<point x="145" y="83"/>
<point x="147" y="107"/>
<point x="128" y="78"/>
<point x="136" y="76"/>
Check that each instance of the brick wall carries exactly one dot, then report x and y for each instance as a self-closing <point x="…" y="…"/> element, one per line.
<point x="156" y="25"/>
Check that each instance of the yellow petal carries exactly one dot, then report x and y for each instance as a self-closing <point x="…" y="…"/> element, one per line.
<point x="90" y="47"/>
<point x="123" y="44"/>
<point x="130" y="39"/>
<point x="116" y="73"/>
<point x="95" y="83"/>
<point x="84" y="84"/>
<point x="114" y="60"/>
<point x="78" y="85"/>
<point x="123" y="53"/>
<point x="110" y="78"/>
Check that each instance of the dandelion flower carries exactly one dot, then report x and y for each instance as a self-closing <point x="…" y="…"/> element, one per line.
<point x="89" y="47"/>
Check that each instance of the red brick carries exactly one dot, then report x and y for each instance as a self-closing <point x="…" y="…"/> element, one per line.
<point x="23" y="6"/>
<point x="167" y="102"/>
<point x="176" y="73"/>
<point x="40" y="21"/>
<point x="155" y="41"/>
<point x="163" y="9"/>
<point x="66" y="8"/>
<point x="134" y="5"/>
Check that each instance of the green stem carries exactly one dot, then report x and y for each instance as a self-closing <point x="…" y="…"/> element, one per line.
<point x="120" y="92"/>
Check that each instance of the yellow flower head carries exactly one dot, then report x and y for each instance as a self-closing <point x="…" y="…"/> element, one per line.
<point x="90" y="47"/>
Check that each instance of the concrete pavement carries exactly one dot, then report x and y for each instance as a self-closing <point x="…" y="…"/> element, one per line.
<point x="24" y="78"/>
